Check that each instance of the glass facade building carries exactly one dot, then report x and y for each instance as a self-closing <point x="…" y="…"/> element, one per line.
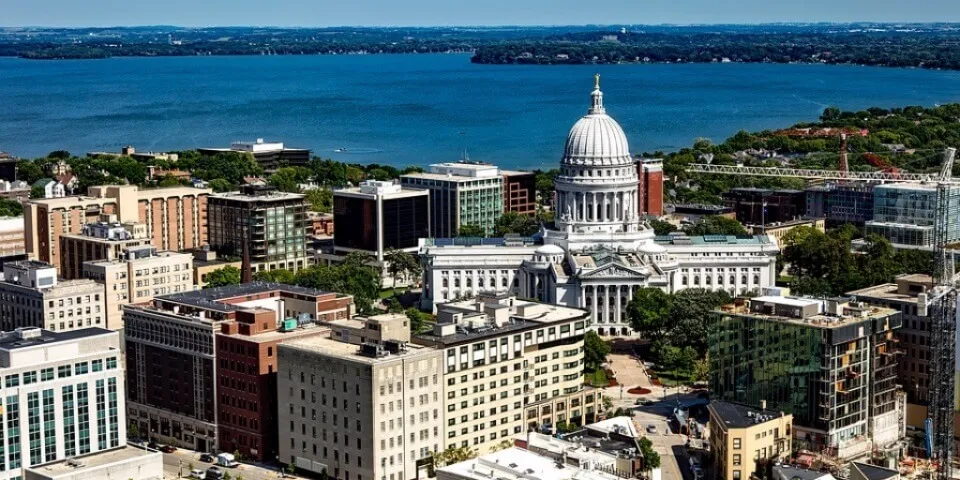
<point x="836" y="373"/>
<point x="905" y="214"/>
<point x="461" y="194"/>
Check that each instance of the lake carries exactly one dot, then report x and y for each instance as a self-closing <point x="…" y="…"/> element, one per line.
<point x="418" y="109"/>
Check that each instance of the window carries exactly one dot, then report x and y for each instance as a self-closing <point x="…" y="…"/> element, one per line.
<point x="736" y="459"/>
<point x="97" y="365"/>
<point x="80" y="368"/>
<point x="736" y="443"/>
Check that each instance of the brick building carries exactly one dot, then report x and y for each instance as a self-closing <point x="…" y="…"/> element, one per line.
<point x="519" y="192"/>
<point x="103" y="240"/>
<point x="172" y="368"/>
<point x="175" y="218"/>
<point x="650" y="172"/>
<point x="247" y="380"/>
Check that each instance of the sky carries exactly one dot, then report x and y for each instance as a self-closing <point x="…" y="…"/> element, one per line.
<point x="319" y="13"/>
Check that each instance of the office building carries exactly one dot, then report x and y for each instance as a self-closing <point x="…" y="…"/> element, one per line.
<point x="8" y="167"/>
<point x="830" y="363"/>
<point x="268" y="225"/>
<point x="744" y="440"/>
<point x="510" y="366"/>
<point x="172" y="368"/>
<point x="12" y="241"/>
<point x="140" y="274"/>
<point x="518" y="464"/>
<point x="247" y="365"/>
<point x="123" y="463"/>
<point x="904" y="214"/>
<point x="131" y="151"/>
<point x="175" y="218"/>
<point x="63" y="397"/>
<point x="520" y="192"/>
<point x="598" y="250"/>
<point x="270" y="155"/>
<point x="379" y="216"/>
<point x="32" y="296"/>
<point x="106" y="239"/>
<point x="368" y="411"/>
<point x="650" y="173"/>
<point x="841" y="203"/>
<point x="461" y="193"/>
<point x="761" y="206"/>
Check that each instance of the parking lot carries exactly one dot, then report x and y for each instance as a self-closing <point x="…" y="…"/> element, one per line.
<point x="179" y="463"/>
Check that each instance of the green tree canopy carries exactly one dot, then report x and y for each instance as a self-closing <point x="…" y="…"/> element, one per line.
<point x="661" y="227"/>
<point x="513" y="222"/>
<point x="595" y="350"/>
<point x="320" y="199"/>
<point x="288" y="179"/>
<point x="469" y="230"/>
<point x="276" y="276"/>
<point x="228" y="275"/>
<point x="649" y="313"/>
<point x="716" y="225"/>
<point x="354" y="276"/>
<point x="220" y="185"/>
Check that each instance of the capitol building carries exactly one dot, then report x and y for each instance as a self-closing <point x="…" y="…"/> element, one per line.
<point x="599" y="250"/>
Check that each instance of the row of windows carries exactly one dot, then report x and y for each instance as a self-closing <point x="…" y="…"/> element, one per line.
<point x="63" y="371"/>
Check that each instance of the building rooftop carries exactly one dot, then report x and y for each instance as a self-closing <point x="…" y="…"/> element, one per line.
<point x="387" y="190"/>
<point x="214" y="298"/>
<point x="76" y="465"/>
<point x="254" y="193"/>
<point x="511" y="173"/>
<point x="519" y="464"/>
<point x="788" y="472"/>
<point x="874" y="472"/>
<point x="31" y="336"/>
<point x="711" y="240"/>
<point x="509" y="241"/>
<point x="735" y="415"/>
<point x="814" y="312"/>
<point x="348" y="351"/>
<point x="277" y="335"/>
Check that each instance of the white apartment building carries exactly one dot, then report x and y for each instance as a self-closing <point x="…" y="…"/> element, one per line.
<point x="139" y="275"/>
<point x="32" y="296"/>
<point x="62" y="397"/>
<point x="367" y="412"/>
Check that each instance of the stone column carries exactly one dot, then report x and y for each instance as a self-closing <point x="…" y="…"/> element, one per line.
<point x="583" y="297"/>
<point x="606" y="304"/>
<point x="619" y="318"/>
<point x="594" y="313"/>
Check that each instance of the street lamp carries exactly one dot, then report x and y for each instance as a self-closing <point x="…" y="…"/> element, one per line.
<point x="180" y="470"/>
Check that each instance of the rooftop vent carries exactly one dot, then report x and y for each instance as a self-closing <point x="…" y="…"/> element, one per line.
<point x="373" y="350"/>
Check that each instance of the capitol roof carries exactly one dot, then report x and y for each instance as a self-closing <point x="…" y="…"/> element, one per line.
<point x="597" y="139"/>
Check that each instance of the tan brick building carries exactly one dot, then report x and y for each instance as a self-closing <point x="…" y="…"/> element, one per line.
<point x="175" y="218"/>
<point x="31" y="296"/>
<point x="742" y="436"/>
<point x="139" y="275"/>
<point x="12" y="240"/>
<point x="106" y="239"/>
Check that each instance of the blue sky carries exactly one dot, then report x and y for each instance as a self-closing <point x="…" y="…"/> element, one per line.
<point x="463" y="12"/>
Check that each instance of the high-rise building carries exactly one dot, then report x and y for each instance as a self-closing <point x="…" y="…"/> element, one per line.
<point x="461" y="193"/>
<point x="379" y="216"/>
<point x="650" y="173"/>
<point x="510" y="366"/>
<point x="519" y="192"/>
<point x="744" y="439"/>
<point x="270" y="155"/>
<point x="905" y="214"/>
<point x="140" y="274"/>
<point x="247" y="365"/>
<point x="175" y="218"/>
<point x="106" y="239"/>
<point x="360" y="411"/>
<point x="830" y="363"/>
<point x="32" y="296"/>
<point x="270" y="226"/>
<point x="173" y="373"/>
<point x="63" y="396"/>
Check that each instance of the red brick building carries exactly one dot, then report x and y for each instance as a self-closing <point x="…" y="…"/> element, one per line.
<point x="650" y="172"/>
<point x="247" y="381"/>
<point x="519" y="192"/>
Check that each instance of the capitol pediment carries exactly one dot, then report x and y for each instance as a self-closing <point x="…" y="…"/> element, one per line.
<point x="614" y="270"/>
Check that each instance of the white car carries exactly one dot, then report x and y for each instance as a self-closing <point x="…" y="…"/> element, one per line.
<point x="197" y="473"/>
<point x="652" y="429"/>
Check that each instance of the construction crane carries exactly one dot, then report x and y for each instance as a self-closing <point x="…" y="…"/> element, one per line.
<point x="942" y="300"/>
<point x="843" y="133"/>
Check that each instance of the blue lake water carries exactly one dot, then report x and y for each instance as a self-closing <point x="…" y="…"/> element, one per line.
<point x="411" y="109"/>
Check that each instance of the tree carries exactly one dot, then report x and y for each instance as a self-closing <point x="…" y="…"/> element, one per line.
<point x="651" y="459"/>
<point x="649" y="313"/>
<point x="469" y="230"/>
<point x="354" y="276"/>
<point x="190" y="466"/>
<point x="228" y="275"/>
<point x="227" y="476"/>
<point x="320" y="199"/>
<point x="690" y="312"/>
<point x="288" y="179"/>
<point x="701" y="369"/>
<point x="133" y="431"/>
<point x="324" y="475"/>
<point x="716" y="225"/>
<point x="400" y="263"/>
<point x="595" y="350"/>
<point x="220" y="185"/>
<point x="502" y="445"/>
<point x="29" y="171"/>
<point x="37" y="192"/>
<point x="515" y="223"/>
<point x="59" y="155"/>
<point x="453" y="455"/>
<point x="607" y="403"/>
<point x="661" y="227"/>
<point x="418" y="319"/>
<point x="276" y="276"/>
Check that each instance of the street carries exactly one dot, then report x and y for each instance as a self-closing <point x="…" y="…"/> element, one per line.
<point x="172" y="467"/>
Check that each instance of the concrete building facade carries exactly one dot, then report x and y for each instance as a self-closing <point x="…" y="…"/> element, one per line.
<point x="461" y="193"/>
<point x="742" y="439"/>
<point x="106" y="239"/>
<point x="32" y="296"/>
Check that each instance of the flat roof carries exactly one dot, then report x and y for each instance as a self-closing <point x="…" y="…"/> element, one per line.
<point x="210" y="298"/>
<point x="348" y="351"/>
<point x="887" y="291"/>
<point x="541" y="315"/>
<point x="9" y="341"/>
<point x="94" y="460"/>
<point x="448" y="178"/>
<point x="518" y="464"/>
<point x="266" y="196"/>
<point x="709" y="240"/>
<point x="787" y="472"/>
<point x="278" y="335"/>
<point x="735" y="415"/>
<point x="819" y="320"/>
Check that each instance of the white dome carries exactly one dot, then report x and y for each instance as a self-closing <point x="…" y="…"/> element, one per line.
<point x="596" y="139"/>
<point x="651" y="248"/>
<point x="549" y="250"/>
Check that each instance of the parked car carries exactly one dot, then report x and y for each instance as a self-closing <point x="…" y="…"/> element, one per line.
<point x="652" y="429"/>
<point x="168" y="449"/>
<point x="197" y="474"/>
<point x="206" y="457"/>
<point x="214" y="473"/>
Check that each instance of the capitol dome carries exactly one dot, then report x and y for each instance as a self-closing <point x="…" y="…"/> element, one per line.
<point x="549" y="249"/>
<point x="597" y="139"/>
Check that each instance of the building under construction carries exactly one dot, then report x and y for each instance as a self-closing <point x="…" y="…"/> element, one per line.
<point x="829" y="362"/>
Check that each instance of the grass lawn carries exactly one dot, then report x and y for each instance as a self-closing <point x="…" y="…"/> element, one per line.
<point x="388" y="293"/>
<point x="597" y="378"/>
<point x="672" y="378"/>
